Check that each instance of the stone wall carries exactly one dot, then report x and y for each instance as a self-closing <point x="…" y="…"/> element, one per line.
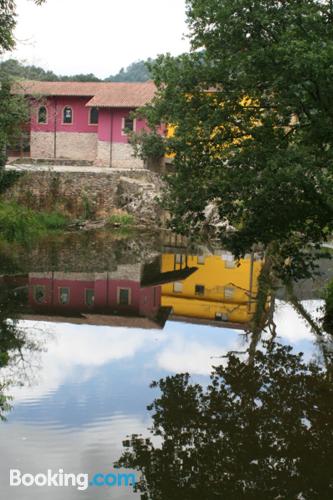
<point x="121" y="156"/>
<point x="42" y="144"/>
<point x="71" y="145"/>
<point x="76" y="145"/>
<point x="91" y="195"/>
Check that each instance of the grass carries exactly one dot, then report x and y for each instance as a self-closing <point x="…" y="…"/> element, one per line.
<point x="121" y="219"/>
<point x="21" y="224"/>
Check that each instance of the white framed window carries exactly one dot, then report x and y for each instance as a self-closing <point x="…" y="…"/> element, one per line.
<point x="39" y="294"/>
<point x="64" y="295"/>
<point x="220" y="316"/>
<point x="229" y="292"/>
<point x="179" y="258"/>
<point x="230" y="264"/>
<point x="201" y="259"/>
<point x="93" y="116"/>
<point x="178" y="287"/>
<point x="42" y="115"/>
<point x="89" y="296"/>
<point x="123" y="296"/>
<point x="67" y="115"/>
<point x="199" y="290"/>
<point x="128" y="124"/>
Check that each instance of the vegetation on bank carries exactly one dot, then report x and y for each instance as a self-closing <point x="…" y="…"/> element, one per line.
<point x="18" y="223"/>
<point x="121" y="220"/>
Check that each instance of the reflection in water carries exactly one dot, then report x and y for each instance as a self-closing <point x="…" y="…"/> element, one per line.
<point x="260" y="430"/>
<point x="16" y="346"/>
<point x="126" y="312"/>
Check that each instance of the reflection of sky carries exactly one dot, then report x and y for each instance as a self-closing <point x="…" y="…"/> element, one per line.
<point x="93" y="389"/>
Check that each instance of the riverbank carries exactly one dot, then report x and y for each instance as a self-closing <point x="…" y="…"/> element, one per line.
<point x="89" y="193"/>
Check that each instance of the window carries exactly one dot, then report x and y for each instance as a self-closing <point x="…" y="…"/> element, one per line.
<point x="93" y="116"/>
<point x="199" y="290"/>
<point x="89" y="297"/>
<point x="177" y="287"/>
<point x="229" y="261"/>
<point x="230" y="264"/>
<point x="67" y="115"/>
<point x="128" y="125"/>
<point x="201" y="259"/>
<point x="42" y="115"/>
<point x="39" y="294"/>
<point x="219" y="316"/>
<point x="124" y="296"/>
<point x="64" y="295"/>
<point x="179" y="258"/>
<point x="229" y="292"/>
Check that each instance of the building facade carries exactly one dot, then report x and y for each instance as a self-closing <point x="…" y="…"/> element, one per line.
<point x="85" y="121"/>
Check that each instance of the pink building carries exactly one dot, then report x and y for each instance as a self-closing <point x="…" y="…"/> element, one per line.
<point x="95" y="298"/>
<point x="85" y="121"/>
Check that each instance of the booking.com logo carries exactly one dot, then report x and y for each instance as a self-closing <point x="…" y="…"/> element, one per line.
<point x="62" y="479"/>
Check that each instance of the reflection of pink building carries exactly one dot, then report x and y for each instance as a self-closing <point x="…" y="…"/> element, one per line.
<point x="85" y="121"/>
<point x="84" y="292"/>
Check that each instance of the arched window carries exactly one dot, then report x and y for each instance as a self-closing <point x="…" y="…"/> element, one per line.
<point x="93" y="116"/>
<point x="67" y="115"/>
<point x="42" y="114"/>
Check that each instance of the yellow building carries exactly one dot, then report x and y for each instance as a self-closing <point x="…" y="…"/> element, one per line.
<point x="220" y="290"/>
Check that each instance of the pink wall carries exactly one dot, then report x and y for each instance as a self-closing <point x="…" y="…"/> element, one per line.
<point x="80" y="115"/>
<point x="107" y="117"/>
<point x="144" y="301"/>
<point x="115" y="116"/>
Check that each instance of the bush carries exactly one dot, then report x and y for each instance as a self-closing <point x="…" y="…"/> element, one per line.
<point x="121" y="219"/>
<point x="7" y="179"/>
<point x="22" y="224"/>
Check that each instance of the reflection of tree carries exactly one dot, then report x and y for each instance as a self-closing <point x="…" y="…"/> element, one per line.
<point x="261" y="430"/>
<point x="16" y="367"/>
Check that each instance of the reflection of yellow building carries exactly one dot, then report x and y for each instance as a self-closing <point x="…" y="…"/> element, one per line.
<point x="220" y="290"/>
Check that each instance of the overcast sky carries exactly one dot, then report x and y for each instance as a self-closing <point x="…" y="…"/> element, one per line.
<point x="97" y="36"/>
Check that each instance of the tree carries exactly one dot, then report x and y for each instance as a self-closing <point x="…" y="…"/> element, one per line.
<point x="252" y="110"/>
<point x="259" y="431"/>
<point x="8" y="23"/>
<point x="13" y="111"/>
<point x="136" y="72"/>
<point x="13" y="115"/>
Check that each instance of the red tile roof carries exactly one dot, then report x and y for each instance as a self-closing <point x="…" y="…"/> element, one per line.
<point x="124" y="95"/>
<point x="103" y="94"/>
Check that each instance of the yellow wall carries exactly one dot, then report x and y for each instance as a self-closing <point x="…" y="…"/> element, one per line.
<point x="226" y="290"/>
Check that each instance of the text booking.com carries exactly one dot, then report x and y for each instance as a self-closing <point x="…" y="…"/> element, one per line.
<point x="61" y="479"/>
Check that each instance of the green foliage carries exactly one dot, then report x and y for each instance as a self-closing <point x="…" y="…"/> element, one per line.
<point x="88" y="210"/>
<point x="8" y="178"/>
<point x="260" y="146"/>
<point x="147" y="146"/>
<point x="121" y="219"/>
<point x="8" y="23"/>
<point x="18" y="71"/>
<point x="136" y="72"/>
<point x="260" y="430"/>
<point x="18" y="223"/>
<point x="13" y="115"/>
<point x="328" y="308"/>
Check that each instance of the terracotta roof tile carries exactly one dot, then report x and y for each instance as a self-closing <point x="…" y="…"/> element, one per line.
<point x="103" y="94"/>
<point x="124" y="95"/>
<point x="84" y="89"/>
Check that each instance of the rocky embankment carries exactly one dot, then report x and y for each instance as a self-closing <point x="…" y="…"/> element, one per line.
<point x="91" y="195"/>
